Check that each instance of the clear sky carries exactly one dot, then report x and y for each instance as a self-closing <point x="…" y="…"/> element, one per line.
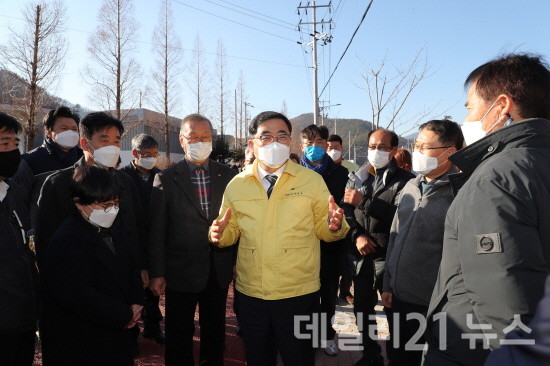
<point x="457" y="36"/>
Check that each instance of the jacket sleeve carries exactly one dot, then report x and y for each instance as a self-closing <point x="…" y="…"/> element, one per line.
<point x="48" y="216"/>
<point x="67" y="274"/>
<point x="138" y="226"/>
<point x="504" y="276"/>
<point x="389" y="263"/>
<point x="231" y="234"/>
<point x="158" y="231"/>
<point x="320" y="212"/>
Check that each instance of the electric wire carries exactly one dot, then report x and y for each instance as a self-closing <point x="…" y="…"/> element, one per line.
<point x="347" y="47"/>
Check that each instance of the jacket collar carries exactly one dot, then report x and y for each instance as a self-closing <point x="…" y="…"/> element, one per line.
<point x="534" y="133"/>
<point x="290" y="168"/>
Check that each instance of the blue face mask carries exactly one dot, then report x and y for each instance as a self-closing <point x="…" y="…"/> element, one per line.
<point x="314" y="153"/>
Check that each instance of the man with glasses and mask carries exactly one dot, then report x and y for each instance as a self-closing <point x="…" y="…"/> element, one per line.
<point x="416" y="236"/>
<point x="495" y="251"/>
<point x="142" y="169"/>
<point x="185" y="200"/>
<point x="278" y="211"/>
<point x="370" y="211"/>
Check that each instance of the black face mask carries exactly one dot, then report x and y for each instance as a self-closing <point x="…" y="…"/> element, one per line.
<point x="9" y="162"/>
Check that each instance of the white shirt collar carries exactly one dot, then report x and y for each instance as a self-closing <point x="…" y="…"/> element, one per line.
<point x="3" y="190"/>
<point x="262" y="173"/>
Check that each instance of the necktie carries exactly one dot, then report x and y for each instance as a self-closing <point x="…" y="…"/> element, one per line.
<point x="271" y="178"/>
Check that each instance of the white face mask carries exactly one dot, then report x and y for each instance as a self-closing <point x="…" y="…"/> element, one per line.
<point x="199" y="151"/>
<point x="274" y="155"/>
<point x="423" y="164"/>
<point x="335" y="154"/>
<point x="147" y="163"/>
<point x="378" y="158"/>
<point x="107" y="156"/>
<point x="102" y="218"/>
<point x="473" y="131"/>
<point x="67" y="139"/>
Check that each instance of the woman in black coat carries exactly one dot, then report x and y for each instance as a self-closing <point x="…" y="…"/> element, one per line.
<point x="91" y="289"/>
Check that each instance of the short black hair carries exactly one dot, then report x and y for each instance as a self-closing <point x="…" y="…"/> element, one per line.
<point x="196" y="117"/>
<point x="144" y="141"/>
<point x="264" y="116"/>
<point x="9" y="123"/>
<point x="394" y="138"/>
<point x="524" y="77"/>
<point x="309" y="132"/>
<point x="49" y="119"/>
<point x="448" y="132"/>
<point x="92" y="184"/>
<point x="98" y="121"/>
<point x="335" y="138"/>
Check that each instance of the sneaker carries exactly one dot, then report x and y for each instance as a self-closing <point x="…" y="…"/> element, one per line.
<point x="331" y="348"/>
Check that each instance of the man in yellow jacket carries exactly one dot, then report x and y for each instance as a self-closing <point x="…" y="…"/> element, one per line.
<point x="278" y="211"/>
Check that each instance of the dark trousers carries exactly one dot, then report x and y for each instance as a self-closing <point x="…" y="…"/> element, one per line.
<point x="151" y="314"/>
<point x="180" y="325"/>
<point x="329" y="274"/>
<point x="17" y="349"/>
<point x="268" y="326"/>
<point x="404" y="330"/>
<point x="363" y="306"/>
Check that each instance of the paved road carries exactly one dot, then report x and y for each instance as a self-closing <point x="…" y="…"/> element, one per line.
<point x="152" y="354"/>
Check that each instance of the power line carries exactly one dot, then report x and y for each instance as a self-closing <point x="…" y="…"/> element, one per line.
<point x="255" y="12"/>
<point x="233" y="21"/>
<point x="181" y="48"/>
<point x="349" y="43"/>
<point x="255" y="17"/>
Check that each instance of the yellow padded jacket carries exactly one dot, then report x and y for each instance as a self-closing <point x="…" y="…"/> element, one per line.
<point x="279" y="249"/>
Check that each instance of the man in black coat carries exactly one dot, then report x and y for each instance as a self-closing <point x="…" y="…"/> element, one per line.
<point x="143" y="171"/>
<point x="186" y="199"/>
<point x="18" y="305"/>
<point x="314" y="146"/>
<point x="375" y="203"/>
<point x="60" y="150"/>
<point x="100" y="139"/>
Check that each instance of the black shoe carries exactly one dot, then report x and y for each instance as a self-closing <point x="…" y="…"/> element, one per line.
<point x="376" y="361"/>
<point x="158" y="337"/>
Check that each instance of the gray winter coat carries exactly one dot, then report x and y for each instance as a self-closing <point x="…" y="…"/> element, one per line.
<point x="496" y="250"/>
<point x="416" y="240"/>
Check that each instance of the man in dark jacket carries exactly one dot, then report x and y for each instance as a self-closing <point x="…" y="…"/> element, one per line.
<point x="100" y="140"/>
<point x="60" y="150"/>
<point x="186" y="198"/>
<point x="18" y="306"/>
<point x="416" y="237"/>
<point x="375" y="203"/>
<point x="143" y="171"/>
<point x="495" y="251"/>
<point x="314" y="157"/>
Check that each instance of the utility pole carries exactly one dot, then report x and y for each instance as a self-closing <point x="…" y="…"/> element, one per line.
<point x="323" y="107"/>
<point x="349" y="144"/>
<point x="246" y="105"/>
<point x="315" y="36"/>
<point x="236" y="122"/>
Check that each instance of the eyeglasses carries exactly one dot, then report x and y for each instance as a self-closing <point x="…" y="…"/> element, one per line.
<point x="421" y="148"/>
<point x="143" y="155"/>
<point x="193" y="139"/>
<point x="267" y="139"/>
<point x="107" y="206"/>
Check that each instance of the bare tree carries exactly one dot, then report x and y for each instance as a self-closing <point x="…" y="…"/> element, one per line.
<point x="198" y="82"/>
<point x="388" y="92"/>
<point x="36" y="54"/>
<point x="242" y="108"/>
<point x="168" y="51"/>
<point x="114" y="73"/>
<point x="221" y="76"/>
